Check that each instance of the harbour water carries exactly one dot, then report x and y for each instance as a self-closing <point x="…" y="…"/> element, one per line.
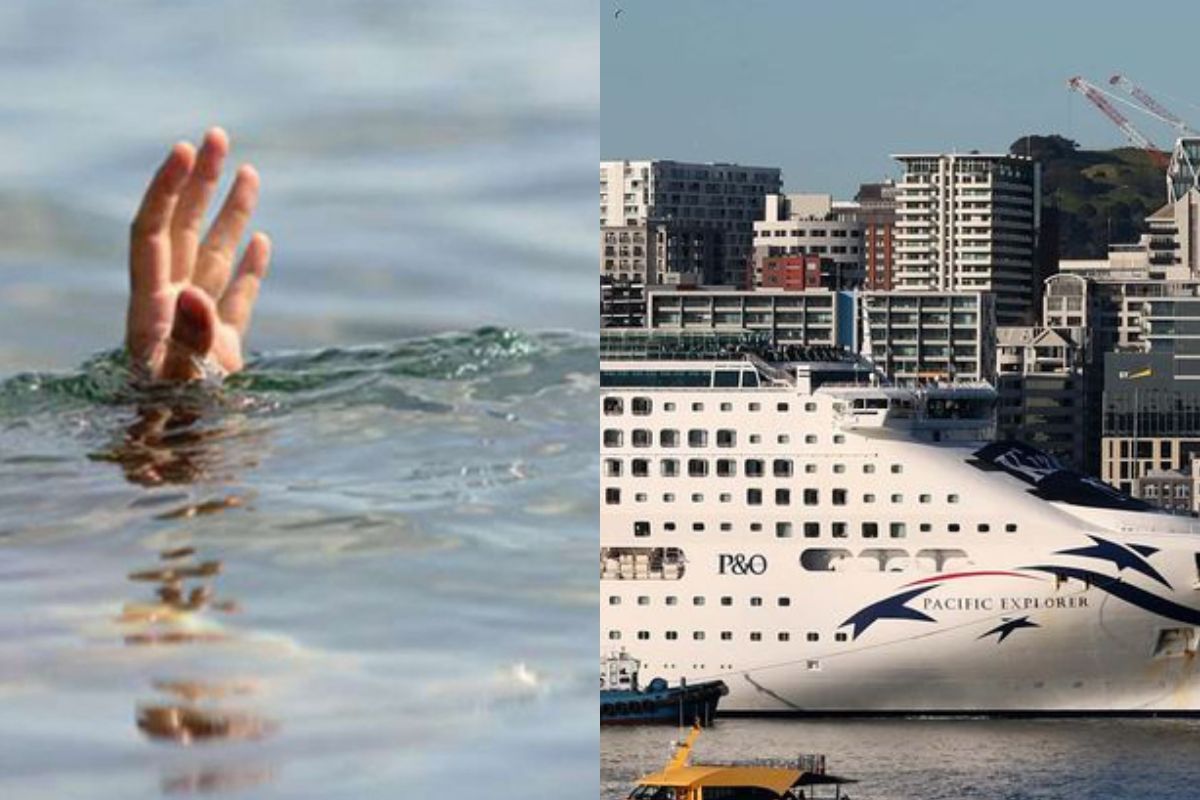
<point x="364" y="567"/>
<point x="942" y="759"/>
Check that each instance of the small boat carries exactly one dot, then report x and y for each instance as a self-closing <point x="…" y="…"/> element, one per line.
<point x="623" y="701"/>
<point x="802" y="779"/>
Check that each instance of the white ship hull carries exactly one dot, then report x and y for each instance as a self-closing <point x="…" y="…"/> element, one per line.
<point x="894" y="576"/>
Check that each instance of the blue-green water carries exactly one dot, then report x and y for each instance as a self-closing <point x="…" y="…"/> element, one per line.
<point x="364" y="568"/>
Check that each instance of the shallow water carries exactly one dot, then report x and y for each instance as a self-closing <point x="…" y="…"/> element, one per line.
<point x="942" y="759"/>
<point x="351" y="572"/>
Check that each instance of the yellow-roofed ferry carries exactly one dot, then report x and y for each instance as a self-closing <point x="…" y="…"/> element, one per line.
<point x="802" y="779"/>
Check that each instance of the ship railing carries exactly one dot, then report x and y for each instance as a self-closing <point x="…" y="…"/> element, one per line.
<point x="811" y="763"/>
<point x="776" y="375"/>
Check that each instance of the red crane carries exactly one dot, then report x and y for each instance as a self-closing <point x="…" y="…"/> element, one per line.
<point x="1150" y="104"/>
<point x="1100" y="99"/>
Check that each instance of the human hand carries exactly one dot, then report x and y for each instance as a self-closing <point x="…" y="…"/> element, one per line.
<point x="184" y="308"/>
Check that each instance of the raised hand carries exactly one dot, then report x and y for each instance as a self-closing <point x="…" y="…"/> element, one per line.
<point x="187" y="305"/>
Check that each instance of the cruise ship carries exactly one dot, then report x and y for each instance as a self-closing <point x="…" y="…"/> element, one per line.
<point x="827" y="544"/>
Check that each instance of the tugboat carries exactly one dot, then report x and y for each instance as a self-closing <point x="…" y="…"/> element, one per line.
<point x="802" y="779"/>
<point x="622" y="701"/>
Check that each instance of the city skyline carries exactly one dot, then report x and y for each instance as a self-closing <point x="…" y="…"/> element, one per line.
<point x="735" y="83"/>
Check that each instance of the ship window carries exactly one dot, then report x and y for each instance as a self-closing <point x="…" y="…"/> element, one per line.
<point x="668" y="526"/>
<point x="897" y="498"/>
<point x="726" y="467"/>
<point x="755" y="636"/>
<point x="726" y="438"/>
<point x="669" y="468"/>
<point x="697" y="467"/>
<point x="668" y="437"/>
<point x="811" y="497"/>
<point x="697" y="438"/>
<point x="813" y="665"/>
<point x="612" y="467"/>
<point x="727" y="406"/>
<point x="697" y="406"/>
<point x="725" y="379"/>
<point x="641" y="406"/>
<point x="756" y="406"/>
<point x="898" y="530"/>
<point x="612" y="437"/>
<point x="897" y="468"/>
<point x="641" y="528"/>
<point x="698" y="600"/>
<point x="1010" y="527"/>
<point x="953" y="527"/>
<point x="614" y="600"/>
<point x="870" y="530"/>
<point x="784" y="601"/>
<point x="810" y="469"/>
<point x="810" y="406"/>
<point x="868" y="498"/>
<point x="783" y="530"/>
<point x="983" y="527"/>
<point x="612" y="496"/>
<point x="640" y="497"/>
<point x="672" y="636"/>
<point x="783" y="497"/>
<point x="754" y="468"/>
<point x="812" y="530"/>
<point x="755" y="527"/>
<point x="782" y="468"/>
<point x="756" y="601"/>
<point x="841" y="637"/>
<point x="640" y="467"/>
<point x="925" y="498"/>
<point x="778" y="406"/>
<point x="726" y="636"/>
<point x="823" y="559"/>
<point x="784" y="636"/>
<point x="783" y="438"/>
<point x="698" y="635"/>
<point x="668" y="406"/>
<point x="951" y="498"/>
<point x="813" y="636"/>
<point x="613" y="406"/>
<point x="698" y="527"/>
<point x="810" y="439"/>
<point x="750" y="379"/>
<point x="839" y="497"/>
<point x="726" y="600"/>
<point x="671" y="600"/>
<point x="642" y="437"/>
<point x="838" y="469"/>
<point x="726" y="526"/>
<point x="926" y="527"/>
<point x="725" y="497"/>
<point x="669" y="497"/>
<point x="697" y="498"/>
<point x="868" y="468"/>
<point x="754" y="497"/>
<point x="838" y="530"/>
<point x="614" y="635"/>
<point x="643" y="635"/>
<point x="755" y="438"/>
<point x="839" y="438"/>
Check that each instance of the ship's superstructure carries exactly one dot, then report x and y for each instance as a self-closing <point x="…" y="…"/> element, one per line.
<point x="826" y="544"/>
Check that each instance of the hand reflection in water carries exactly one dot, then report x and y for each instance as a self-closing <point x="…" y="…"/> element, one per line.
<point x="188" y="309"/>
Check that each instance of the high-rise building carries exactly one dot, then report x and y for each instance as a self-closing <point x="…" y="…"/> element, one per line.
<point x="919" y="337"/>
<point x="875" y="207"/>
<point x="721" y="201"/>
<point x="970" y="223"/>
<point x="808" y="225"/>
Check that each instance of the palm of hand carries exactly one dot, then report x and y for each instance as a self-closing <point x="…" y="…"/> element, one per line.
<point x="184" y="308"/>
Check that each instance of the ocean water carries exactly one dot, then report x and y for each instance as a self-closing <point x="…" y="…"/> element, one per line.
<point x="364" y="567"/>
<point x="941" y="759"/>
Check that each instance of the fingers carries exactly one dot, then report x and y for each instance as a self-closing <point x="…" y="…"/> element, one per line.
<point x="194" y="199"/>
<point x="215" y="259"/>
<point x="149" y="245"/>
<point x="192" y="335"/>
<point x="238" y="303"/>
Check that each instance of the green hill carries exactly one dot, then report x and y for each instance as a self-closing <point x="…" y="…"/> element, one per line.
<point x="1094" y="197"/>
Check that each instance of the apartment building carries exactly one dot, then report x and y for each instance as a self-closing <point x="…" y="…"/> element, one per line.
<point x="809" y="225"/>
<point x="818" y="317"/>
<point x="917" y="337"/>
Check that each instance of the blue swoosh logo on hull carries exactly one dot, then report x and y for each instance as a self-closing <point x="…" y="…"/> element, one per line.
<point x="1147" y="601"/>
<point x="1133" y="557"/>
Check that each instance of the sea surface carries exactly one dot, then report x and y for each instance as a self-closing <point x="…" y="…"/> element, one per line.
<point x="364" y="567"/>
<point x="941" y="759"/>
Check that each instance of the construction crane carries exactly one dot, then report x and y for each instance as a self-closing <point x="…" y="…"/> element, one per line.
<point x="1100" y="99"/>
<point x="1150" y="104"/>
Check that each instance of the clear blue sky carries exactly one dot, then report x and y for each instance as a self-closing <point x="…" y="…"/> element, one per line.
<point x="828" y="90"/>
